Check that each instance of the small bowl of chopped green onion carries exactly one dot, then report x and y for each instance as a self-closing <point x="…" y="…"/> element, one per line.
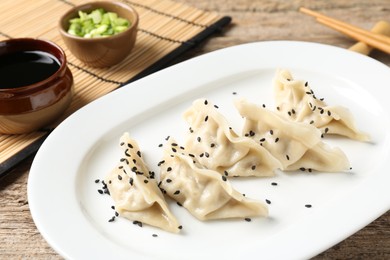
<point x="100" y="34"/>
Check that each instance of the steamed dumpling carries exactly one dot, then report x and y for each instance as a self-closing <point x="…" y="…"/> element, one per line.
<point x="135" y="192"/>
<point x="295" y="145"/>
<point x="296" y="101"/>
<point x="203" y="192"/>
<point x="216" y="146"/>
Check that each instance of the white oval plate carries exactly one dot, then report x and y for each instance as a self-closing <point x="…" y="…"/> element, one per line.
<point x="73" y="217"/>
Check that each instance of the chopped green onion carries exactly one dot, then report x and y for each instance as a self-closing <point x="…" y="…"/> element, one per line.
<point x="97" y="23"/>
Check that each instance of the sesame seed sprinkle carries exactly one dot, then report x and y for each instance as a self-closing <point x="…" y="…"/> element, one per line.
<point x="119" y="177"/>
<point x="274" y="183"/>
<point x="248" y="219"/>
<point x="224" y="178"/>
<point x="180" y="227"/>
<point x="176" y="192"/>
<point x="169" y="180"/>
<point x="97" y="181"/>
<point x="308" y="205"/>
<point x="206" y="102"/>
<point x="160" y="145"/>
<point x="268" y="201"/>
<point x="154" y="235"/>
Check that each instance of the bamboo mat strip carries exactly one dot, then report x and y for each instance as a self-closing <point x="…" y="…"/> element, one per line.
<point x="166" y="30"/>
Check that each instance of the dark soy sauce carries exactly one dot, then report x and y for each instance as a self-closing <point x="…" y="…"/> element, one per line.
<point x="25" y="68"/>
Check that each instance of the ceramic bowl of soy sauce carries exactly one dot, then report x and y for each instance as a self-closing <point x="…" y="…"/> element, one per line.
<point x="36" y="86"/>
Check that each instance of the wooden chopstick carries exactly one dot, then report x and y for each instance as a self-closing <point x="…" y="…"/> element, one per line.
<point x="378" y="41"/>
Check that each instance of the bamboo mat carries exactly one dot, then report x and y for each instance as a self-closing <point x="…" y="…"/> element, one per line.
<point x="166" y="30"/>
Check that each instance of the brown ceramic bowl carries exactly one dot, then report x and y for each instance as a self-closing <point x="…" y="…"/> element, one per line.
<point x="27" y="108"/>
<point x="102" y="51"/>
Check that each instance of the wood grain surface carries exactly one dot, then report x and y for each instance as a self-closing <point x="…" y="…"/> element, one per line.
<point x="260" y="20"/>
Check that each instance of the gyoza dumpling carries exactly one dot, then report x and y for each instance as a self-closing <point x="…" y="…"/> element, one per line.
<point x="216" y="146"/>
<point x="296" y="101"/>
<point x="205" y="193"/>
<point x="135" y="192"/>
<point x="296" y="145"/>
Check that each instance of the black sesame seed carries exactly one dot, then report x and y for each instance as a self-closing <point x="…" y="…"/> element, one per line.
<point x="139" y="153"/>
<point x="97" y="181"/>
<point x="277" y="108"/>
<point x="169" y="180"/>
<point x="206" y="118"/>
<point x="174" y="150"/>
<point x="251" y="133"/>
<point x="308" y="92"/>
<point x="226" y="173"/>
<point x="234" y="93"/>
<point x="160" y="145"/>
<point x="116" y="214"/>
<point x="111" y="219"/>
<point x="146" y="181"/>
<point x="174" y="144"/>
<point x="293" y="111"/>
<point x="154" y="235"/>
<point x="302" y="169"/>
<point x="287" y="157"/>
<point x="311" y="122"/>
<point x="206" y="102"/>
<point x="212" y="145"/>
<point x="169" y="169"/>
<point x="306" y="83"/>
<point x="130" y="145"/>
<point x="182" y="147"/>
<point x="216" y="106"/>
<point x="131" y="181"/>
<point x="253" y="167"/>
<point x="100" y="191"/>
<point x="201" y="155"/>
<point x="113" y="207"/>
<point x="277" y="139"/>
<point x="308" y="206"/>
<point x="161" y="162"/>
<point x="206" y="154"/>
<point x="119" y="177"/>
<point x="191" y="155"/>
<point x="248" y="219"/>
<point x="271" y="132"/>
<point x="289" y="113"/>
<point x="329" y="113"/>
<point x="198" y="138"/>
<point x="124" y="160"/>
<point x="176" y="192"/>
<point x="122" y="143"/>
<point x="326" y="130"/>
<point x="134" y="169"/>
<point x="264" y="105"/>
<point x="262" y="139"/>
<point x="224" y="178"/>
<point x="274" y="183"/>
<point x="309" y="170"/>
<point x="180" y="227"/>
<point x="268" y="201"/>
<point x="167" y="138"/>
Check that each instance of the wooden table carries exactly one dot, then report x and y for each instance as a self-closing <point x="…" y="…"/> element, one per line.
<point x="253" y="20"/>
